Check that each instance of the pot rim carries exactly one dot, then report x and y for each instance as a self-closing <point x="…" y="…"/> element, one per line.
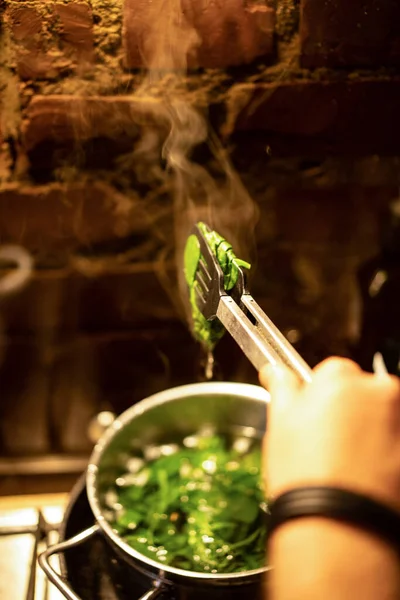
<point x="219" y="388"/>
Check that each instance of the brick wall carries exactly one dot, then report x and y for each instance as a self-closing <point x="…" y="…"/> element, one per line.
<point x="304" y="95"/>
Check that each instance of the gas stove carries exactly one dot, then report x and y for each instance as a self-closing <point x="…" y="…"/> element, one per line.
<point x="92" y="570"/>
<point x="27" y="525"/>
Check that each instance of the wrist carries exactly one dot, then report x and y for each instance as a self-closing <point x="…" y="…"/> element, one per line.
<point x="319" y="558"/>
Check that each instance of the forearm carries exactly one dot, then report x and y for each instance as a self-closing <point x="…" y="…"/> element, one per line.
<point x="319" y="559"/>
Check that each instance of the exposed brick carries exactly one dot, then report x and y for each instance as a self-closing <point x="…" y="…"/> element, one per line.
<point x="344" y="220"/>
<point x="287" y="18"/>
<point x="115" y="370"/>
<point x="360" y="33"/>
<point x="5" y="161"/>
<point x="126" y="299"/>
<point x="306" y="274"/>
<point x="51" y="38"/>
<point x="62" y="300"/>
<point x="40" y="306"/>
<point x="305" y="277"/>
<point x="230" y="33"/>
<point x="76" y="28"/>
<point x="24" y="384"/>
<point x="71" y="121"/>
<point x="308" y="117"/>
<point x="34" y="64"/>
<point x="52" y="221"/>
<point x="310" y="292"/>
<point x="110" y="371"/>
<point x="26" y="25"/>
<point x="28" y="30"/>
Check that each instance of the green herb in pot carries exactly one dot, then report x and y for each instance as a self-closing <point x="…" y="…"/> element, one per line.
<point x="196" y="506"/>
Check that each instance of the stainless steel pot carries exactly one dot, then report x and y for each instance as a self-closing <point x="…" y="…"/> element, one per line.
<point x="177" y="412"/>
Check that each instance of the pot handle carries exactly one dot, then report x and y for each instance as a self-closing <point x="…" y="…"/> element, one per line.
<point x="155" y="591"/>
<point x="51" y="573"/>
<point x="61" y="584"/>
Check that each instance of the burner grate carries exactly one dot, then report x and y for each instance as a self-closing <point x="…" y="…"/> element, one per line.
<point x="42" y="532"/>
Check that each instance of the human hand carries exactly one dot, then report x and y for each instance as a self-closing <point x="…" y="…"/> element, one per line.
<point x="343" y="430"/>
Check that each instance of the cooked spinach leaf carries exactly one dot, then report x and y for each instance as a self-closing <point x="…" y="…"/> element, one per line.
<point x="209" y="332"/>
<point x="196" y="508"/>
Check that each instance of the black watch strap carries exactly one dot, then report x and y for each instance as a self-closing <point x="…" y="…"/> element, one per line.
<point x="338" y="504"/>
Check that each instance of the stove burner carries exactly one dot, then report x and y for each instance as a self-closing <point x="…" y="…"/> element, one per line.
<point x="92" y="569"/>
<point x="40" y="531"/>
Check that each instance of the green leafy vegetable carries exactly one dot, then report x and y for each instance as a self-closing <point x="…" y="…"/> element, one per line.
<point x="209" y="332"/>
<point x="196" y="508"/>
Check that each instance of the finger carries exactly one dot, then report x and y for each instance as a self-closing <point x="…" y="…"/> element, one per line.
<point x="386" y="385"/>
<point x="264" y="463"/>
<point x="336" y="366"/>
<point x="280" y="382"/>
<point x="378" y="365"/>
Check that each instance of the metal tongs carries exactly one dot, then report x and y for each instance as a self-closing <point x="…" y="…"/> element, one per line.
<point x="257" y="336"/>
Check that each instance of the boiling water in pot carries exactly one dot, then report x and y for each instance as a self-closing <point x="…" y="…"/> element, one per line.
<point x="194" y="504"/>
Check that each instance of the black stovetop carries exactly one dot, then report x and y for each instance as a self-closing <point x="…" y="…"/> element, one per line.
<point x="92" y="569"/>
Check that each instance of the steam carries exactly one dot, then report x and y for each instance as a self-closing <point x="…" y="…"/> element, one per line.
<point x="169" y="42"/>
